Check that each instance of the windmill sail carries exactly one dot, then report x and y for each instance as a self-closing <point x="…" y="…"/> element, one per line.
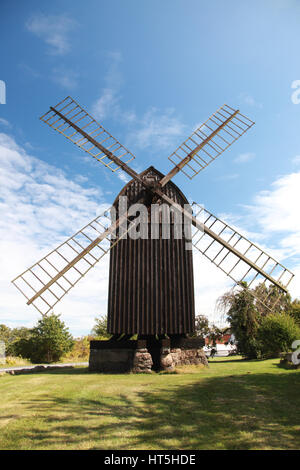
<point x="209" y="141"/>
<point x="71" y="120"/>
<point x="47" y="281"/>
<point x="235" y="255"/>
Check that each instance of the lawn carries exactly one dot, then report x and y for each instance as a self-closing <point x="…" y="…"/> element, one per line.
<point x="234" y="404"/>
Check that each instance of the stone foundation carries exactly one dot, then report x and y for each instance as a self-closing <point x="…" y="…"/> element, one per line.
<point x="142" y="361"/>
<point x="182" y="351"/>
<point x="116" y="356"/>
<point x="144" y="356"/>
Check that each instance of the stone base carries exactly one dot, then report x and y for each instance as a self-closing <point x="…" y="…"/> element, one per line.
<point x="182" y="351"/>
<point x="144" y="356"/>
<point x="119" y="356"/>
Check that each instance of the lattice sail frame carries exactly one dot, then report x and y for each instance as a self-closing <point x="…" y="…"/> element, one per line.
<point x="212" y="139"/>
<point x="231" y="264"/>
<point x="79" y="245"/>
<point x="79" y="116"/>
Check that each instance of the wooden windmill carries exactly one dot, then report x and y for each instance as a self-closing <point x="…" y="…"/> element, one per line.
<point x="151" y="289"/>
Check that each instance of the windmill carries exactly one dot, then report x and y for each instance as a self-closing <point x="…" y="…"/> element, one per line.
<point x="151" y="291"/>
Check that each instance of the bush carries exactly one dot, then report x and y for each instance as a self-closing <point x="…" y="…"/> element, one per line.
<point x="100" y="328"/>
<point x="13" y="361"/>
<point x="80" y="350"/>
<point x="49" y="340"/>
<point x="277" y="333"/>
<point x="11" y="336"/>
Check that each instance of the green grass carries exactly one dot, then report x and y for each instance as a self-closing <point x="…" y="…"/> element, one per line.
<point x="235" y="404"/>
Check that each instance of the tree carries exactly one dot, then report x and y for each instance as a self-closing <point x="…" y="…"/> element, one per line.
<point x="257" y="330"/>
<point x="49" y="340"/>
<point x="201" y="326"/>
<point x="215" y="334"/>
<point x="244" y="319"/>
<point x="16" y="335"/>
<point x="205" y="330"/>
<point x="100" y="328"/>
<point x="11" y="336"/>
<point x="276" y="334"/>
<point x="80" y="350"/>
<point x="294" y="310"/>
<point x="5" y="333"/>
<point x="271" y="296"/>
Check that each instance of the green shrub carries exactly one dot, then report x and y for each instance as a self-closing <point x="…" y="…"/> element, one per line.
<point x="100" y="328"/>
<point x="277" y="333"/>
<point x="80" y="350"/>
<point x="49" y="340"/>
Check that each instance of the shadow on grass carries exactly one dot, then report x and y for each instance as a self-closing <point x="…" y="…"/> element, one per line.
<point x="68" y="371"/>
<point x="216" y="360"/>
<point x="257" y="411"/>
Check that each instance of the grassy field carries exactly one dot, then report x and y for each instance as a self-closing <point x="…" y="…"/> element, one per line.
<point x="235" y="404"/>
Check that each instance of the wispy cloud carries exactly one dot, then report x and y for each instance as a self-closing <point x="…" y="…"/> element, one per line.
<point x="108" y="103"/>
<point x="249" y="100"/>
<point x="29" y="70"/>
<point x="296" y="160"/>
<point x="277" y="209"/>
<point x="54" y="30"/>
<point x="123" y="176"/>
<point x="228" y="177"/>
<point x="244" y="157"/>
<point x="273" y="219"/>
<point x="155" y="128"/>
<point x="40" y="207"/>
<point x="158" y="129"/>
<point x="66" y="78"/>
<point x="4" y="122"/>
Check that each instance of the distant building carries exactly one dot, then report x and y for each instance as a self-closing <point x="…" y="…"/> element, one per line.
<point x="226" y="338"/>
<point x="224" y="346"/>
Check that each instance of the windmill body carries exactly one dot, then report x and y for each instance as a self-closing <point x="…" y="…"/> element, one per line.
<point x="151" y="286"/>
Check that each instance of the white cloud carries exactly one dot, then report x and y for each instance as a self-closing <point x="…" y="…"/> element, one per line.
<point x="155" y="128"/>
<point x="244" y="157"/>
<point x="65" y="78"/>
<point x="228" y="177"/>
<point x="123" y="176"/>
<point x="107" y="105"/>
<point x="54" y="30"/>
<point x="296" y="160"/>
<point x="4" y="122"/>
<point x="158" y="129"/>
<point x="277" y="210"/>
<point x="210" y="283"/>
<point x="273" y="220"/>
<point x="249" y="100"/>
<point x="40" y="207"/>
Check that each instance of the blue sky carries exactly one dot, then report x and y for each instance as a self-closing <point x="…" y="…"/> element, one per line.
<point x="150" y="71"/>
